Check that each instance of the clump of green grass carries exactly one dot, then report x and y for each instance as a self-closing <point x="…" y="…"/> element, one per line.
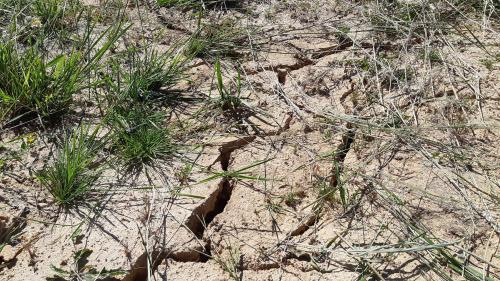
<point x="29" y="20"/>
<point x="56" y="14"/>
<point x="71" y="177"/>
<point x="153" y="71"/>
<point x="32" y="83"/>
<point x="140" y="136"/>
<point x="222" y="39"/>
<point x="149" y="76"/>
<point x="28" y="83"/>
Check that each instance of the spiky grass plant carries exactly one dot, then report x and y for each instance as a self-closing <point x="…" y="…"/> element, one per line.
<point x="55" y="14"/>
<point x="72" y="175"/>
<point x="28" y="83"/>
<point x="148" y="78"/>
<point x="27" y="20"/>
<point x="223" y="39"/>
<point x="148" y="74"/>
<point x="140" y="136"/>
<point x="32" y="83"/>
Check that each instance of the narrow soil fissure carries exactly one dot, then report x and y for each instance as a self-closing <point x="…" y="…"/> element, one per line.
<point x="283" y="70"/>
<point x="197" y="222"/>
<point x="305" y="225"/>
<point x="205" y="213"/>
<point x="341" y="153"/>
<point x="227" y="149"/>
<point x="147" y="260"/>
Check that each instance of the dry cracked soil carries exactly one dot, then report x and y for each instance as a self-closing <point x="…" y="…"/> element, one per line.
<point x="350" y="157"/>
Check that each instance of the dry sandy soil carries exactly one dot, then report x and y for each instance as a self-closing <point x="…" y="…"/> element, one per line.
<point x="351" y="158"/>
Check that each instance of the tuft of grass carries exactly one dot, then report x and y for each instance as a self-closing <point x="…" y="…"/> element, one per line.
<point x="293" y="199"/>
<point x="327" y="189"/>
<point x="230" y="263"/>
<point x="70" y="179"/>
<point x="222" y="39"/>
<point x="10" y="231"/>
<point x="31" y="83"/>
<point x="56" y="14"/>
<point x="148" y="77"/>
<point x="326" y="193"/>
<point x="140" y="136"/>
<point x="184" y="173"/>
<point x="30" y="20"/>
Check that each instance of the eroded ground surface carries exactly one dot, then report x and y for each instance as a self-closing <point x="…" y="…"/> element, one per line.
<point x="353" y="157"/>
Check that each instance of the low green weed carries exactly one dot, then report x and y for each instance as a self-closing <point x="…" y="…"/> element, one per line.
<point x="28" y="83"/>
<point x="79" y="269"/>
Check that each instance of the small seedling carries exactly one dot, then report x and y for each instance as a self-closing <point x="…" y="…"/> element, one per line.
<point x="80" y="270"/>
<point x="325" y="192"/>
<point x="230" y="263"/>
<point x="292" y="199"/>
<point x="183" y="174"/>
<point x="274" y="207"/>
<point x="229" y="100"/>
<point x="11" y="230"/>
